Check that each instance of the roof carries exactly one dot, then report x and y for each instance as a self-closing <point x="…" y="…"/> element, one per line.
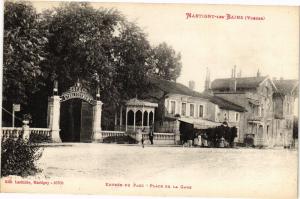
<point x="137" y="102"/>
<point x="177" y="88"/>
<point x="174" y="87"/>
<point x="286" y="86"/>
<point x="241" y="82"/>
<point x="227" y="105"/>
<point x="200" y="123"/>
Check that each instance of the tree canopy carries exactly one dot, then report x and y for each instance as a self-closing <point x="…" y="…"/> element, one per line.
<point x="81" y="45"/>
<point x="24" y="41"/>
<point x="75" y="41"/>
<point x="167" y="62"/>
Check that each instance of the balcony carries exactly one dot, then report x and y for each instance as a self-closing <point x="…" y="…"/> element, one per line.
<point x="255" y="118"/>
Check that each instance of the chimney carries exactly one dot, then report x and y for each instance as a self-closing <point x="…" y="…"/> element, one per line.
<point x="207" y="80"/>
<point x="232" y="83"/>
<point x="239" y="75"/>
<point x="234" y="71"/>
<point x="258" y="73"/>
<point x="192" y="85"/>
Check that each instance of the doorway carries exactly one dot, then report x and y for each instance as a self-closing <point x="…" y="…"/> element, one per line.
<point x="76" y="117"/>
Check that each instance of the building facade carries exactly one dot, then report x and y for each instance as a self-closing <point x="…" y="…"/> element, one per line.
<point x="283" y="103"/>
<point x="178" y="103"/>
<point x="269" y="117"/>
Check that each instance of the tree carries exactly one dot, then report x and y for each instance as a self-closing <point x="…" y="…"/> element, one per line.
<point x="80" y="44"/>
<point x="75" y="42"/>
<point x="133" y="53"/>
<point x="19" y="157"/>
<point x="24" y="42"/>
<point x="86" y="43"/>
<point x="167" y="62"/>
<point x="96" y="46"/>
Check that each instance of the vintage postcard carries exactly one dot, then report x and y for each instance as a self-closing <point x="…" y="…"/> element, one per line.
<point x="150" y="99"/>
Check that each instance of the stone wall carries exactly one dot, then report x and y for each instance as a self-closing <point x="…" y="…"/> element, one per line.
<point x="166" y="127"/>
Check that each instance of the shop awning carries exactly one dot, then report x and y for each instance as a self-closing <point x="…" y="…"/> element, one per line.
<point x="200" y="123"/>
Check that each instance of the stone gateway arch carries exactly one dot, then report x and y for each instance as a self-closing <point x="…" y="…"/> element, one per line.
<point x="76" y="92"/>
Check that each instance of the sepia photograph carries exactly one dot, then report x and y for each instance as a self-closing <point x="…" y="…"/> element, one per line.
<point x="150" y="99"/>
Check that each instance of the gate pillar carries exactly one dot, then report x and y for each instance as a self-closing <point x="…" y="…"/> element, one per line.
<point x="177" y="132"/>
<point x="97" y="111"/>
<point x="53" y="117"/>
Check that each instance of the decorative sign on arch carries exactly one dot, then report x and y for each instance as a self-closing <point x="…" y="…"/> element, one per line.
<point x="77" y="92"/>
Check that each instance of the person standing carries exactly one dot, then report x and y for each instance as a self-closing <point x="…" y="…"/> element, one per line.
<point x="151" y="134"/>
<point x="143" y="137"/>
<point x="204" y="140"/>
<point x="140" y="137"/>
<point x="199" y="140"/>
<point x="222" y="142"/>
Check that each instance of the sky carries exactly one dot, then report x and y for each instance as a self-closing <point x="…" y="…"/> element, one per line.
<point x="270" y="45"/>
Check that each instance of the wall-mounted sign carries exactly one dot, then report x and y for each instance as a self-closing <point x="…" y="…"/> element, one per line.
<point x="16" y="107"/>
<point x="77" y="92"/>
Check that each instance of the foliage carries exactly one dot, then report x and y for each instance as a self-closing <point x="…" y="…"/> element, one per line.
<point x="79" y="44"/>
<point x="27" y="116"/>
<point x="19" y="157"/>
<point x="75" y="41"/>
<point x="134" y="61"/>
<point x="120" y="140"/>
<point x="38" y="138"/>
<point x="24" y="41"/>
<point x="167" y="62"/>
<point x="97" y="46"/>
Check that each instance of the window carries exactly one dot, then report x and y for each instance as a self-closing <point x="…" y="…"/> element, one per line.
<point x="167" y="104"/>
<point x="237" y="117"/>
<point x="192" y="110"/>
<point x="267" y="91"/>
<point x="183" y="109"/>
<point x="259" y="111"/>
<point x="172" y="107"/>
<point x="268" y="104"/>
<point x="201" y="111"/>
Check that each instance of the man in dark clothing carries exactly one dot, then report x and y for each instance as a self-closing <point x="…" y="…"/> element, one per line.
<point x="151" y="134"/>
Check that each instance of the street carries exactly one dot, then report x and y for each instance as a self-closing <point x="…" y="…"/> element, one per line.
<point x="208" y="171"/>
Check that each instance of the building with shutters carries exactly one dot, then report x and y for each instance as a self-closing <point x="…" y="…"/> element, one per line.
<point x="269" y="105"/>
<point x="181" y="104"/>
